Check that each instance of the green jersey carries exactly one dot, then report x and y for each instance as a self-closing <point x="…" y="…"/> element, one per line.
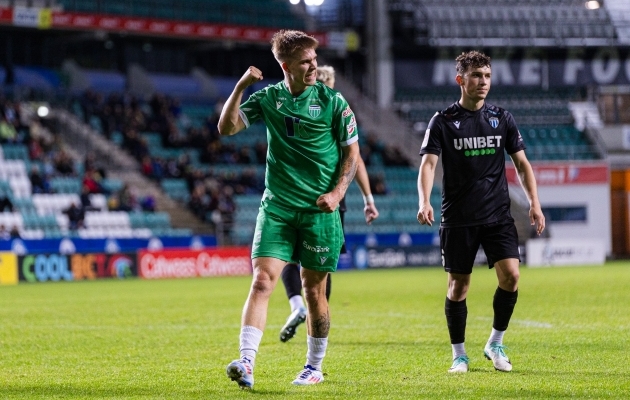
<point x="305" y="134"/>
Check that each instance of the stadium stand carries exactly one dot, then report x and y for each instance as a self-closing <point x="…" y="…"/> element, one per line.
<point x="275" y="14"/>
<point x="524" y="23"/>
<point x="43" y="179"/>
<point x="544" y="117"/>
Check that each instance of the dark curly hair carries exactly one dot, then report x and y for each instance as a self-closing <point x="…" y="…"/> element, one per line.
<point x="470" y="60"/>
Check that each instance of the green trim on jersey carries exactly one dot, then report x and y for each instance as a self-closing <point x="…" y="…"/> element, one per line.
<point x="305" y="134"/>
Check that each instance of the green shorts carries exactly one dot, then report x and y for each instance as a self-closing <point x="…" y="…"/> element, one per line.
<point x="312" y="239"/>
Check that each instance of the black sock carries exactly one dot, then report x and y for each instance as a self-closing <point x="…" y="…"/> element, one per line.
<point x="503" y="306"/>
<point x="291" y="280"/>
<point x="328" y="287"/>
<point x="456" y="313"/>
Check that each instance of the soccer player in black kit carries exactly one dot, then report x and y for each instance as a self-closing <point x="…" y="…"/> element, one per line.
<point x="472" y="135"/>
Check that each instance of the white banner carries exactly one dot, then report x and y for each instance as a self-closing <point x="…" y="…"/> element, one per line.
<point x="558" y="252"/>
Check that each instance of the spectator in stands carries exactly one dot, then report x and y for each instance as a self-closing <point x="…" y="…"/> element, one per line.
<point x="86" y="202"/>
<point x="76" y="216"/>
<point x="4" y="233"/>
<point x="372" y="142"/>
<point x="227" y="207"/>
<point x="148" y="203"/>
<point x="377" y="184"/>
<point x="90" y="104"/>
<point x="15" y="232"/>
<point x="211" y="152"/>
<point x="90" y="163"/>
<point x="243" y="156"/>
<point x="393" y="157"/>
<point x="126" y="199"/>
<point x="135" y="117"/>
<point x="8" y="134"/>
<point x="39" y="183"/>
<point x="5" y="203"/>
<point x="92" y="180"/>
<point x="64" y="163"/>
<point x="261" y="153"/>
<point x="147" y="166"/>
<point x="157" y="167"/>
<point x="198" y="203"/>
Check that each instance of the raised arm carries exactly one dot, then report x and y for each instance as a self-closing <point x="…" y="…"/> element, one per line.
<point x="526" y="177"/>
<point x="363" y="180"/>
<point x="328" y="202"/>
<point x="426" y="175"/>
<point x="230" y="122"/>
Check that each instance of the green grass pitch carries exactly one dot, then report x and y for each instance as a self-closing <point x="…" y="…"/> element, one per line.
<point x="171" y="339"/>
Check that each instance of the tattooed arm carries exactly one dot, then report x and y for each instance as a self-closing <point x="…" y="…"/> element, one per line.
<point x="328" y="202"/>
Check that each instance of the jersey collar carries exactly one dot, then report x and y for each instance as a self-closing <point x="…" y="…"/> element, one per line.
<point x="302" y="95"/>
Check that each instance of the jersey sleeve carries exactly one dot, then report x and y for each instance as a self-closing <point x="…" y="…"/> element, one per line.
<point x="514" y="141"/>
<point x="344" y="125"/>
<point x="432" y="143"/>
<point x="251" y="110"/>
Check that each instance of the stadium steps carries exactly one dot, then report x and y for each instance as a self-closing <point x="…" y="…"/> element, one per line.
<point x="123" y="167"/>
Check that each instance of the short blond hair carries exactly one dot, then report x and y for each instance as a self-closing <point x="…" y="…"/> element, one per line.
<point x="286" y="43"/>
<point x="325" y="74"/>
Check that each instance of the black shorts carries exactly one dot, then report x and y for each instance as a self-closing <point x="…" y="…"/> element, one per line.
<point x="460" y="245"/>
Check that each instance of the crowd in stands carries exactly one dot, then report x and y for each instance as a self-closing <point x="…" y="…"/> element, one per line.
<point x="211" y="192"/>
<point x="48" y="159"/>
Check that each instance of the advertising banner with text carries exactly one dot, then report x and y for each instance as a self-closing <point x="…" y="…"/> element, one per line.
<point x="76" y="267"/>
<point x="194" y="263"/>
<point x="564" y="174"/>
<point x="559" y="252"/>
<point x="542" y="67"/>
<point x="43" y="18"/>
<point x="8" y="269"/>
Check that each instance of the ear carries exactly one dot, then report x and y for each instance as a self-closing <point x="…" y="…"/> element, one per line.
<point x="459" y="79"/>
<point x="285" y="66"/>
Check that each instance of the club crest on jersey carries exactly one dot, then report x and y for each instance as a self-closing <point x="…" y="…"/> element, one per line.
<point x="494" y="122"/>
<point x="314" y="110"/>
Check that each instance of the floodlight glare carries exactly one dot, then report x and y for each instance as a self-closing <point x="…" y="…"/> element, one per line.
<point x="42" y="111"/>
<point x="592" y="4"/>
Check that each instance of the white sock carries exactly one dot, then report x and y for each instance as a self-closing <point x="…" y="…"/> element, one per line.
<point x="458" y="350"/>
<point x="296" y="302"/>
<point x="249" y="341"/>
<point x="316" y="351"/>
<point x="496" y="336"/>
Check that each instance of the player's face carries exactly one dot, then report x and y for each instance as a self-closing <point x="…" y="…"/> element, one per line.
<point x="303" y="68"/>
<point x="475" y="83"/>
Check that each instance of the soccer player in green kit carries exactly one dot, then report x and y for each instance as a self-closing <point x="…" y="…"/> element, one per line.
<point x="311" y="159"/>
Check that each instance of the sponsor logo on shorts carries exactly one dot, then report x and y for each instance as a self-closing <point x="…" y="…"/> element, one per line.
<point x="316" y="248"/>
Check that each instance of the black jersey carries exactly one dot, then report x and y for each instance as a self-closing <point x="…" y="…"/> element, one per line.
<point x="472" y="144"/>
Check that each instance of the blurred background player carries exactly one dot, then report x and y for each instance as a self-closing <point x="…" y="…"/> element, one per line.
<point x="476" y="202"/>
<point x="311" y="161"/>
<point x="291" y="272"/>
